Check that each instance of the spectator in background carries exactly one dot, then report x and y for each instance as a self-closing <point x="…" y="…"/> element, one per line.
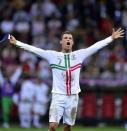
<point x="49" y="8"/>
<point x="44" y="8"/>
<point x="7" y="84"/>
<point x="54" y="24"/>
<point x="7" y="25"/>
<point x="28" y="61"/>
<point x="120" y="68"/>
<point x="37" y="26"/>
<point x="44" y="71"/>
<point x="40" y="104"/>
<point x="26" y="99"/>
<point x="36" y="9"/>
<point x="21" y="21"/>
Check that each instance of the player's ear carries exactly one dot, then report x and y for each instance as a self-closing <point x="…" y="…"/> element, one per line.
<point x="60" y="42"/>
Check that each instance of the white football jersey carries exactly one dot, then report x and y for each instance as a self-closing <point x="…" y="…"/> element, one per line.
<point x="27" y="91"/>
<point x="41" y="93"/>
<point x="66" y="66"/>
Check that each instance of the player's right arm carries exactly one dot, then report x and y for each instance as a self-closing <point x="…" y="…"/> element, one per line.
<point x="40" y="52"/>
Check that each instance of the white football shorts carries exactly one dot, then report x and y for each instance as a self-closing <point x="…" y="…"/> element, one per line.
<point x="63" y="106"/>
<point x="39" y="108"/>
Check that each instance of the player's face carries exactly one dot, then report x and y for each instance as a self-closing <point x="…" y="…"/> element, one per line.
<point x="67" y="42"/>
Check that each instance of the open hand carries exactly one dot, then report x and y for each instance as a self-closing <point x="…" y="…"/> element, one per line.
<point x="118" y="33"/>
<point x="12" y="40"/>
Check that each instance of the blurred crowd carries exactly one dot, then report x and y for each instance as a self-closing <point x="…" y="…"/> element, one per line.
<point x="40" y="23"/>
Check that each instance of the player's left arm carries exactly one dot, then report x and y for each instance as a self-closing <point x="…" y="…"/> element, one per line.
<point x="16" y="75"/>
<point x="84" y="53"/>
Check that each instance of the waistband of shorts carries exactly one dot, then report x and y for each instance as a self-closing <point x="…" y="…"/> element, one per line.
<point x="64" y="94"/>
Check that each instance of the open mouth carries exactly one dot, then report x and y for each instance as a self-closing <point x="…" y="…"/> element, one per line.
<point x="68" y="43"/>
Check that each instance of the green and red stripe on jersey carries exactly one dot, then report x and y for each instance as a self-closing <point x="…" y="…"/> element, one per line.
<point x="69" y="77"/>
<point x="69" y="69"/>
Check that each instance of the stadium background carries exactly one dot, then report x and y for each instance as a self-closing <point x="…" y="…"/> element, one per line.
<point x="103" y="77"/>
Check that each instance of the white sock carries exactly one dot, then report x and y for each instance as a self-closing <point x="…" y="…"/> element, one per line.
<point x="28" y="116"/>
<point x="25" y="120"/>
<point x="22" y="120"/>
<point x="36" y="119"/>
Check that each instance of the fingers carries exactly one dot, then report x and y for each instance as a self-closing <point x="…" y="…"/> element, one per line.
<point x="119" y="35"/>
<point x="119" y="29"/>
<point x="120" y="32"/>
<point x="113" y="30"/>
<point x="11" y="37"/>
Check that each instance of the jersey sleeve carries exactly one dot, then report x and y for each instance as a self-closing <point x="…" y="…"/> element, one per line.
<point x="46" y="54"/>
<point x="84" y="53"/>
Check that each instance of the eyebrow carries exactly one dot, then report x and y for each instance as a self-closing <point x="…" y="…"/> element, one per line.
<point x="67" y="37"/>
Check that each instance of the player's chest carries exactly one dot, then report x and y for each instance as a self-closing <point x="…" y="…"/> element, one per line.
<point x="65" y="60"/>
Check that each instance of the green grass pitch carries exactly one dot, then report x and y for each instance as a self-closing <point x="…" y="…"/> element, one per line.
<point x="75" y="128"/>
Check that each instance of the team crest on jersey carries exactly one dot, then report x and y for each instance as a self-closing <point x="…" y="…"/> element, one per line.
<point x="73" y="57"/>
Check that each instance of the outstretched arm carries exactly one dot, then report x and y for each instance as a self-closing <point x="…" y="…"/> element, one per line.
<point x="83" y="53"/>
<point x="16" y="75"/>
<point x="46" y="54"/>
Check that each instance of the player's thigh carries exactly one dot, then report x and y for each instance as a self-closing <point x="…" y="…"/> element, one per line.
<point x="71" y="110"/>
<point x="56" y="108"/>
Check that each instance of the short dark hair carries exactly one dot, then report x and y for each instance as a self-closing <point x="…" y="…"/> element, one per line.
<point x="66" y="32"/>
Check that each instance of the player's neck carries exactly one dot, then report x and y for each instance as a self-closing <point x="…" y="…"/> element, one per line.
<point x="66" y="51"/>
